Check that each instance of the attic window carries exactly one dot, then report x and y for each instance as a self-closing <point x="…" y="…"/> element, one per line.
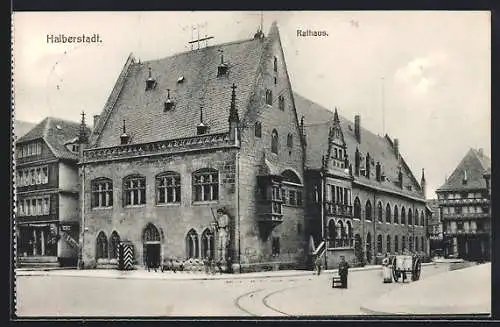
<point x="180" y="80"/>
<point x="222" y="69"/>
<point x="150" y="82"/>
<point x="169" y="103"/>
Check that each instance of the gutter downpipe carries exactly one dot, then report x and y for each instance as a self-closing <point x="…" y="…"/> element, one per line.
<point x="82" y="212"/>
<point x="323" y="181"/>
<point x="237" y="181"/>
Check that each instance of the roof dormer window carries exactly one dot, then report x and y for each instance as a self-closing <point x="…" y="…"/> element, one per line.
<point x="180" y="80"/>
<point x="222" y="68"/>
<point x="169" y="103"/>
<point x="150" y="82"/>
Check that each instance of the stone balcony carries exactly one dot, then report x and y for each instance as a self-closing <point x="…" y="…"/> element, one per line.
<point x="337" y="209"/>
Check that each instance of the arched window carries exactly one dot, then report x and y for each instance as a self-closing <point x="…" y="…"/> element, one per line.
<point x="379" y="211"/>
<point x="151" y="234"/>
<point x="292" y="189"/>
<point x="417" y="222"/>
<point x="410" y="243"/>
<point x="207" y="244"/>
<point x="168" y="188"/>
<point x="379" y="244"/>
<point x="258" y="129"/>
<point x="134" y="190"/>
<point x="368" y="247"/>
<point x="422" y="220"/>
<point x="403" y="216"/>
<point x="332" y="233"/>
<point x="416" y="244"/>
<point x="290" y="177"/>
<point x="289" y="140"/>
<point x="206" y="185"/>
<point x="269" y="97"/>
<point x="274" y="141"/>
<point x="357" y="208"/>
<point x="388" y="244"/>
<point x="348" y="227"/>
<point x="422" y="244"/>
<point x="102" y="193"/>
<point x="403" y="243"/>
<point x="396" y="213"/>
<point x="101" y="246"/>
<point x="114" y="242"/>
<point x="396" y="244"/>
<point x="410" y="217"/>
<point x="368" y="210"/>
<point x="388" y="213"/>
<point x="192" y="246"/>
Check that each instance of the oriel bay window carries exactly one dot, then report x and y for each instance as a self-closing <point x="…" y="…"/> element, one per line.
<point x="338" y="201"/>
<point x="206" y="185"/>
<point x="168" y="188"/>
<point x="134" y="190"/>
<point x="102" y="193"/>
<point x="270" y="202"/>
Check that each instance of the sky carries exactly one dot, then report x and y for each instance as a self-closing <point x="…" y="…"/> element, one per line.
<point x="421" y="77"/>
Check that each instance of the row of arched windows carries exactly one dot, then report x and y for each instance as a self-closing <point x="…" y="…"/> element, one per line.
<point x="339" y="233"/>
<point x="193" y="248"/>
<point x="107" y="249"/>
<point x="411" y="243"/>
<point x="275" y="139"/>
<point x="205" y="186"/>
<point x="417" y="220"/>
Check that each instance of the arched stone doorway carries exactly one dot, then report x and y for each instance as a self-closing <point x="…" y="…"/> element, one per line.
<point x="151" y="246"/>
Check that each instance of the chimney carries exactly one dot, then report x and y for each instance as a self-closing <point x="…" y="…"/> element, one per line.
<point x="357" y="128"/>
<point x="96" y="118"/>
<point x="396" y="148"/>
<point x="357" y="160"/>
<point x="368" y="164"/>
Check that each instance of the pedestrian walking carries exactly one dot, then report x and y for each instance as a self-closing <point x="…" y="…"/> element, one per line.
<point x="386" y="270"/>
<point x="318" y="265"/>
<point x="343" y="271"/>
<point x="206" y="264"/>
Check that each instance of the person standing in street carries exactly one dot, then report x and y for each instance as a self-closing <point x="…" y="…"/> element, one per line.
<point x="317" y="263"/>
<point x="343" y="271"/>
<point x="386" y="269"/>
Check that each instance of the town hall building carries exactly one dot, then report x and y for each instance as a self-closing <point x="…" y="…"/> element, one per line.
<point x="203" y="155"/>
<point x="186" y="139"/>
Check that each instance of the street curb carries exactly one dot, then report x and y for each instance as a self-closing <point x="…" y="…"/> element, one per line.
<point x="47" y="272"/>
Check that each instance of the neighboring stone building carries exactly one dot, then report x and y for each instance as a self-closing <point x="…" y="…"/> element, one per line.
<point x="435" y="228"/>
<point x="465" y="204"/>
<point x="46" y="180"/>
<point x="184" y="136"/>
<point x="362" y="198"/>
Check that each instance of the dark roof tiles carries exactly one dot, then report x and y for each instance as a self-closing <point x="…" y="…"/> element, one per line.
<point x="56" y="133"/>
<point x="143" y="111"/>
<point x="317" y="122"/>
<point x="475" y="163"/>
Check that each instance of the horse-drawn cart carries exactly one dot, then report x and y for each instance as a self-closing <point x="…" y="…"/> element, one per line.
<point x="404" y="265"/>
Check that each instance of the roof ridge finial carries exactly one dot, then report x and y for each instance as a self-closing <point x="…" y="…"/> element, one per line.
<point x="201" y="114"/>
<point x="124" y="128"/>
<point x="336" y="116"/>
<point x="233" y="113"/>
<point x="82" y="137"/>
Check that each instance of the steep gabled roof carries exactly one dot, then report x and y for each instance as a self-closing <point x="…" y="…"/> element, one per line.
<point x="475" y="164"/>
<point x="143" y="111"/>
<point x="56" y="133"/>
<point x="22" y="127"/>
<point x="317" y="123"/>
